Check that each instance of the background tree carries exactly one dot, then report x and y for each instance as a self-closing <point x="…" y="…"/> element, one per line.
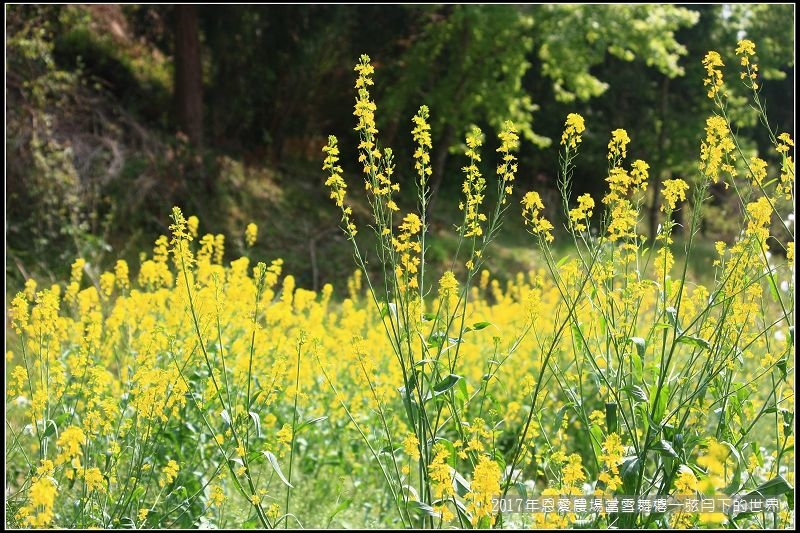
<point x="188" y="74"/>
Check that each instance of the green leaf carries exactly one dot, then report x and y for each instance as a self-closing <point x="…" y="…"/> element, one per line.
<point x="774" y="487"/>
<point x="773" y="289"/>
<point x="596" y="438"/>
<point x="577" y="336"/>
<point x="660" y="404"/>
<point x="640" y="344"/>
<point x="611" y="417"/>
<point x="310" y="422"/>
<point x="636" y="393"/>
<point x="50" y="428"/>
<point x="736" y="481"/>
<point x="629" y="472"/>
<point x="665" y="448"/>
<point x="344" y="504"/>
<point x="274" y="462"/>
<point x="672" y="317"/>
<point x="256" y="422"/>
<point x="420" y="509"/>
<point x="694" y="341"/>
<point x="461" y="394"/>
<point x="446" y="384"/>
<point x="477" y="326"/>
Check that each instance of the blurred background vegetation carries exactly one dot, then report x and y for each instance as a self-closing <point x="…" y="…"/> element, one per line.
<point x="116" y="113"/>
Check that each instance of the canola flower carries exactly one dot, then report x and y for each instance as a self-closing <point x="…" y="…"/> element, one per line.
<point x="135" y="384"/>
<point x="573" y="128"/>
<point x="474" y="186"/>
<point x="532" y="207"/>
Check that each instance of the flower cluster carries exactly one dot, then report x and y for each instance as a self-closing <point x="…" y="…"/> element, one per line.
<point x="573" y="128"/>
<point x="582" y="213"/>
<point x="532" y="207"/>
<point x="745" y="50"/>
<point x="409" y="248"/>
<point x="713" y="63"/>
<point x="485" y="486"/>
<point x="474" y="186"/>
<point x="507" y="169"/>
<point x="717" y="150"/>
<point x="337" y="184"/>
<point x="673" y="192"/>
<point x="421" y="134"/>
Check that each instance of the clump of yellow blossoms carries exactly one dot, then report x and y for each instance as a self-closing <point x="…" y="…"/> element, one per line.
<point x="674" y="191"/>
<point x="408" y="247"/>
<point x="170" y="472"/>
<point x="613" y="451"/>
<point x="717" y="150"/>
<point x="337" y="184"/>
<point x="448" y="288"/>
<point x="712" y="63"/>
<point x="618" y="145"/>
<point x="573" y="127"/>
<point x="411" y="446"/>
<point x="250" y="234"/>
<point x="474" y="186"/>
<point x="745" y="50"/>
<point x="532" y="207"/>
<point x="439" y="472"/>
<point x="421" y="134"/>
<point x="583" y="212"/>
<point x="485" y="486"/>
<point x="506" y="170"/>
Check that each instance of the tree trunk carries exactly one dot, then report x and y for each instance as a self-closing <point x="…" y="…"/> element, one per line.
<point x="188" y="74"/>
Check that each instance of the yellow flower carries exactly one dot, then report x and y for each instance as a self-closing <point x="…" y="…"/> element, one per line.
<point x="408" y="247"/>
<point x="142" y="514"/>
<point x="411" y="446"/>
<point x="618" y="145"/>
<point x="439" y="472"/>
<point x="474" y="186"/>
<point x="192" y="223"/>
<point x="573" y="127"/>
<point x="758" y="171"/>
<point x="421" y="134"/>
<point x="42" y="497"/>
<point x="107" y="282"/>
<point x="506" y="170"/>
<point x="284" y="435"/>
<point x="485" y="485"/>
<point x="70" y="442"/>
<point x="216" y="495"/>
<point x="573" y="472"/>
<point x="674" y="191"/>
<point x="717" y="149"/>
<point x="121" y="274"/>
<point x="712" y="63"/>
<point x="746" y="49"/>
<point x="448" y="288"/>
<point x="686" y="482"/>
<point x="532" y="208"/>
<point x="170" y="472"/>
<point x="94" y="479"/>
<point x="250" y="234"/>
<point x="583" y="212"/>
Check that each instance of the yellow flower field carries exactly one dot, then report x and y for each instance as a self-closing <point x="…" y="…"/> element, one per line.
<point x="190" y="392"/>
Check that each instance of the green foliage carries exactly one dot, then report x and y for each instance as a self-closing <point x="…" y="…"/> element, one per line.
<point x="576" y="38"/>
